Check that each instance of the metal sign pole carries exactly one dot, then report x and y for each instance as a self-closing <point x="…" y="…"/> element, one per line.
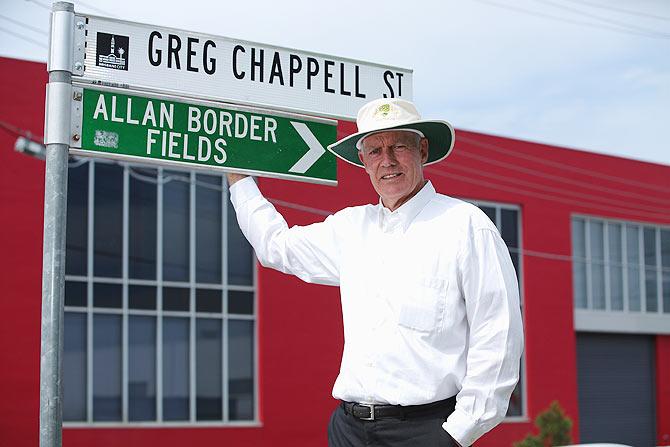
<point x="56" y="139"/>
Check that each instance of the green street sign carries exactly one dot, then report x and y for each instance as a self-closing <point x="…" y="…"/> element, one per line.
<point x="163" y="130"/>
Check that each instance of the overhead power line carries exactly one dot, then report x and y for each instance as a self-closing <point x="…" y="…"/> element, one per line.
<point x="321" y="212"/>
<point x="621" y="10"/>
<point x="581" y="12"/>
<point x="23" y="37"/>
<point x="562" y="166"/>
<point x="94" y="8"/>
<point x="297" y="206"/>
<point x="185" y="178"/>
<point x="24" y="25"/>
<point x="653" y="205"/>
<point x="634" y="206"/>
<point x="524" y="192"/>
<point x="15" y="130"/>
<point x="520" y="251"/>
<point x="570" y="258"/>
<point x="136" y="173"/>
<point x="574" y="22"/>
<point x="558" y="178"/>
<point x="40" y="4"/>
<point x="78" y="3"/>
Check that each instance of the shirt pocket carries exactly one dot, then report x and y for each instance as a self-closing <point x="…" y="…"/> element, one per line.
<point x="423" y="305"/>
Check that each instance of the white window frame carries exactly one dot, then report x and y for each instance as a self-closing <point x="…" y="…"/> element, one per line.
<point x="523" y="417"/>
<point x="622" y="321"/>
<point x="159" y="313"/>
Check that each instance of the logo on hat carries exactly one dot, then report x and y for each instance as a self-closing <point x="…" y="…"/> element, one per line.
<point x="385" y="111"/>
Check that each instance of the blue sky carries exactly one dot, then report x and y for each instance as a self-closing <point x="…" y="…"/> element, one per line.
<point x="586" y="74"/>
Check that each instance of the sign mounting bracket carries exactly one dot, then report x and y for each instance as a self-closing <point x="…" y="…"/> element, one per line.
<point x="79" y="46"/>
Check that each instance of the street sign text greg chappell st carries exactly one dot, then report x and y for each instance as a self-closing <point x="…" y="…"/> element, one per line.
<point x="154" y="58"/>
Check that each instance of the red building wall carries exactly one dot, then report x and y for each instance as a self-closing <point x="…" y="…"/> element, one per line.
<point x="300" y="330"/>
<point x="21" y="213"/>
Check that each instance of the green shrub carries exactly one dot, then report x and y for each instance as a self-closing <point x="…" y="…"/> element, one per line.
<point x="554" y="428"/>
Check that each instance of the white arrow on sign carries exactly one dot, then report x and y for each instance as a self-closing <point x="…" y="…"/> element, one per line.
<point x="313" y="154"/>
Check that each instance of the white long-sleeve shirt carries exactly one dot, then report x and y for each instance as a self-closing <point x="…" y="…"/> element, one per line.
<point x="430" y="301"/>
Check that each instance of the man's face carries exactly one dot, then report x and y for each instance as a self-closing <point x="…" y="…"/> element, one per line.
<point x="394" y="160"/>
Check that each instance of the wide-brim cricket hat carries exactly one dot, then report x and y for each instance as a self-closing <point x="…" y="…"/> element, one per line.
<point x="388" y="114"/>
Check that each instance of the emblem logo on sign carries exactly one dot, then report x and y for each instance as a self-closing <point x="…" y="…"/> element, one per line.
<point x="106" y="139"/>
<point x="112" y="51"/>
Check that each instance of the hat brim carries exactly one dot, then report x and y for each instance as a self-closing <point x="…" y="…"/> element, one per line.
<point x="440" y="137"/>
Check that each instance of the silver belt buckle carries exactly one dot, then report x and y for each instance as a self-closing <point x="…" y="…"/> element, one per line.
<point x="372" y="412"/>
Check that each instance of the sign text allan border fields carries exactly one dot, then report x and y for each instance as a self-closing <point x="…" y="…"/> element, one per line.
<point x="158" y="129"/>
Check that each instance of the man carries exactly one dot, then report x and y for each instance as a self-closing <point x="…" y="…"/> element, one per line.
<point x="430" y="302"/>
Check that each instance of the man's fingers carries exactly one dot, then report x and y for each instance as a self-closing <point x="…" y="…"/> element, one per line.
<point x="233" y="178"/>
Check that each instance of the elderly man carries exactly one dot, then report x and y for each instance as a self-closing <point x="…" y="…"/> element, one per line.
<point x="430" y="302"/>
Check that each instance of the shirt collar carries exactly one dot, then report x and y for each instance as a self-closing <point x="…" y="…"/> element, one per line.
<point x="406" y="213"/>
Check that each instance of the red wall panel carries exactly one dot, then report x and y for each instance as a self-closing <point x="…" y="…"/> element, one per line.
<point x="21" y="204"/>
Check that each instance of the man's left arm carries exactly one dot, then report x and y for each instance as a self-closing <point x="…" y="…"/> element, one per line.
<point x="489" y="286"/>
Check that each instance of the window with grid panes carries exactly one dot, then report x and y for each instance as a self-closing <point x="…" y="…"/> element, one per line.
<point x="159" y="299"/>
<point x="620" y="267"/>
<point x="507" y="220"/>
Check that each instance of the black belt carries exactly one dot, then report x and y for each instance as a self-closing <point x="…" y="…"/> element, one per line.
<point x="371" y="412"/>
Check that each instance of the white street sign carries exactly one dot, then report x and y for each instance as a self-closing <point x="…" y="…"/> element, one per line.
<point x="154" y="58"/>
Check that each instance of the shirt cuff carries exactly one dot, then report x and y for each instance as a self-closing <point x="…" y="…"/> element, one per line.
<point x="462" y="428"/>
<point x="243" y="190"/>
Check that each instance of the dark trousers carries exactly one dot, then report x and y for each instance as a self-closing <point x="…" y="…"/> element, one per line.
<point x="421" y="430"/>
